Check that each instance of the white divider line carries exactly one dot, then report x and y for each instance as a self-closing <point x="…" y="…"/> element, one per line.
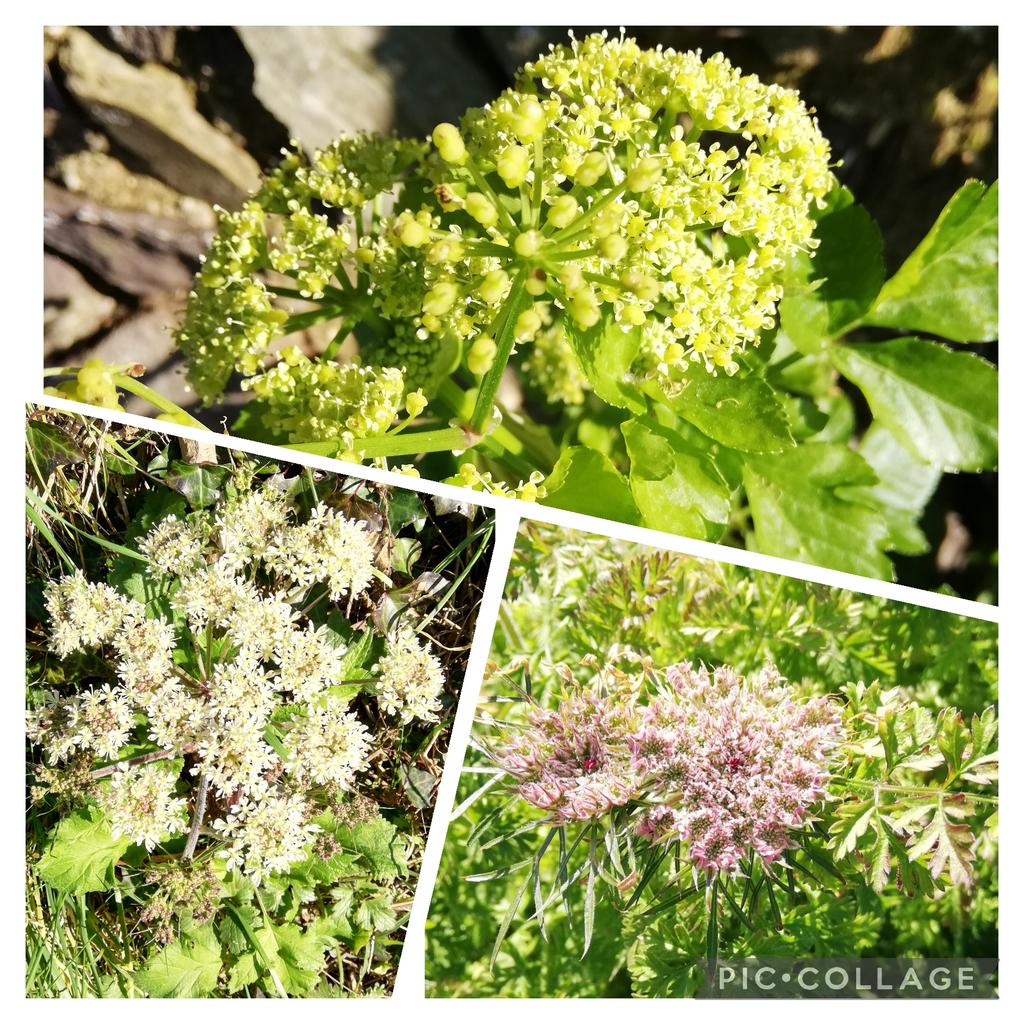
<point x="410" y="981"/>
<point x="559" y="517"/>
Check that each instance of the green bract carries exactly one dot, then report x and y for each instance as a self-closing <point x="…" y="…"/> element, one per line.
<point x="655" y="245"/>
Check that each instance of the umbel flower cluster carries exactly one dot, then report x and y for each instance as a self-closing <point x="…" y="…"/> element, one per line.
<point x="658" y="191"/>
<point x="240" y="687"/>
<point x="729" y="765"/>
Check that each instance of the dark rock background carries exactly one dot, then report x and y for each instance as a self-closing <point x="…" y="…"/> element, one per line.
<point x="146" y="128"/>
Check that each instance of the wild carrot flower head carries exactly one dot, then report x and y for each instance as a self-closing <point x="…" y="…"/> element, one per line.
<point x="573" y="762"/>
<point x="732" y="763"/>
<point x="728" y="765"/>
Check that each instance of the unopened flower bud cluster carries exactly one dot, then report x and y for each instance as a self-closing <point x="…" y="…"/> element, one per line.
<point x="730" y="766"/>
<point x="256" y="719"/>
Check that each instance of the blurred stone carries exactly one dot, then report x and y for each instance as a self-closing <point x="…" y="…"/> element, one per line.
<point x="53" y="36"/>
<point x="145" y="43"/>
<point x="72" y="308"/>
<point x="152" y="113"/>
<point x="106" y="180"/>
<point x="323" y="82"/>
<point x="137" y="253"/>
<point x="318" y="81"/>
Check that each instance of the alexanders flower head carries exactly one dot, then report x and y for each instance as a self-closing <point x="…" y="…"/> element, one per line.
<point x="647" y="191"/>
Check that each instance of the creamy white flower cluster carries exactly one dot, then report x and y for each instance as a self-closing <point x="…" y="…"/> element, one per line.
<point x="248" y="701"/>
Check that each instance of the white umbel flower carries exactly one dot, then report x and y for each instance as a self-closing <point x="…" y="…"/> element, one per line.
<point x="410" y="679"/>
<point x="329" y="549"/>
<point x="267" y="833"/>
<point x="328" y="747"/>
<point x="142" y="806"/>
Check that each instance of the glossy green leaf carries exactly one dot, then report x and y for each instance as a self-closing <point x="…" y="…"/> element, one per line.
<point x="586" y="481"/>
<point x="744" y="413"/>
<point x="905" y="485"/>
<point x="949" y="284"/>
<point x="200" y="485"/>
<point x="840" y="280"/>
<point x="606" y="352"/>
<point x="52" y="446"/>
<point x="81" y="852"/>
<point x="676" y="490"/>
<point x="799" y="512"/>
<point x="942" y="405"/>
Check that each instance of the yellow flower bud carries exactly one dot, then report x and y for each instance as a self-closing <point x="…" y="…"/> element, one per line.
<point x="481" y="209"/>
<point x="644" y="174"/>
<point x="415" y="403"/>
<point x="536" y="284"/>
<point x="413" y="234"/>
<point x="493" y="287"/>
<point x="634" y="314"/>
<point x="677" y="151"/>
<point x="449" y="143"/>
<point x="513" y="164"/>
<point x="480" y="357"/>
<point x="529" y="121"/>
<point x="613" y="247"/>
<point x="440" y="298"/>
<point x="594" y="165"/>
<point x="528" y="243"/>
<point x="585" y="308"/>
<point x="571" y="277"/>
<point x="563" y="211"/>
<point x="528" y="323"/>
<point x="445" y="251"/>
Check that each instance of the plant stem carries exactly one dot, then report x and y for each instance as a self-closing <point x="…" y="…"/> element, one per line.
<point x="505" y="338"/>
<point x="165" y="405"/>
<point x="337" y="341"/>
<point x="530" y="452"/>
<point x="197" y="818"/>
<point x="917" y="790"/>
<point x="131" y="762"/>
<point x="577" y="226"/>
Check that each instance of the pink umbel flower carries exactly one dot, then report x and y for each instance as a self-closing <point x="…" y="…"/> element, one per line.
<point x="574" y="762"/>
<point x="727" y="764"/>
<point x="731" y="764"/>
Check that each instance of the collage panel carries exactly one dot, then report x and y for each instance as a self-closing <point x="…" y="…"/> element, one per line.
<point x="512" y="513"/>
<point x="689" y="778"/>
<point x="732" y="284"/>
<point x="242" y="675"/>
